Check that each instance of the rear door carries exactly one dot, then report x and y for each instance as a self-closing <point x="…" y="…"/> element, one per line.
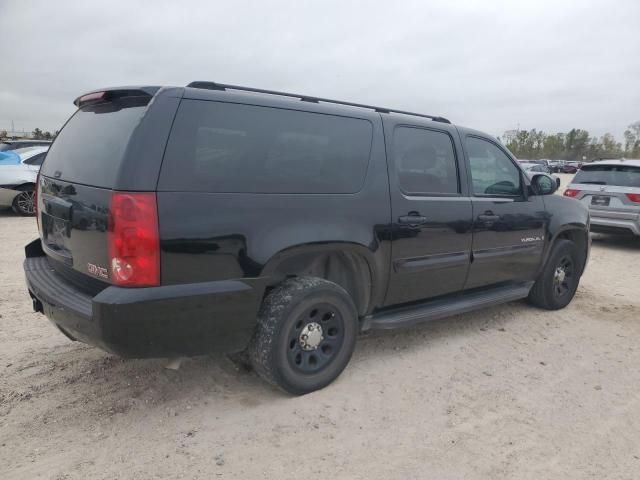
<point x="431" y="211"/>
<point x="508" y="224"/>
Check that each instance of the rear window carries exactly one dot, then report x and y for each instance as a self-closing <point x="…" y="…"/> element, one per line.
<point x="618" y="175"/>
<point x="90" y="147"/>
<point x="225" y="147"/>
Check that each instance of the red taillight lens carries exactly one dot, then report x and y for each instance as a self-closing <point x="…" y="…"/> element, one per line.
<point x="571" y="192"/>
<point x="90" y="98"/>
<point x="134" y="243"/>
<point x="634" y="197"/>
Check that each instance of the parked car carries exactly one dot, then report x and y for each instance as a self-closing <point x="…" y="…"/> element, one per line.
<point x="611" y="190"/>
<point x="530" y="166"/>
<point x="556" y="165"/>
<point x="18" y="173"/>
<point x="7" y="145"/>
<point x="534" y="168"/>
<point x="284" y="224"/>
<point x="570" y="167"/>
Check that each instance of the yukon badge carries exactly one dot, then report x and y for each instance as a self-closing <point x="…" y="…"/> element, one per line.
<point x="532" y="239"/>
<point x="97" y="271"/>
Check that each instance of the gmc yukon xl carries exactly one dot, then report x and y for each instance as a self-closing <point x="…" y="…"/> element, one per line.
<point x="179" y="221"/>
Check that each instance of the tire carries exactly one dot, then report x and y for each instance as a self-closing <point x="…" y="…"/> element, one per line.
<point x="24" y="203"/>
<point x="558" y="281"/>
<point x="289" y="350"/>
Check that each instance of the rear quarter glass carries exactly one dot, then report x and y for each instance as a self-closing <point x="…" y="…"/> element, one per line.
<point x="236" y="148"/>
<point x="91" y="146"/>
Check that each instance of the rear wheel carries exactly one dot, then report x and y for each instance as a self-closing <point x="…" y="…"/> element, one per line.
<point x="306" y="333"/>
<point x="558" y="282"/>
<point x="25" y="202"/>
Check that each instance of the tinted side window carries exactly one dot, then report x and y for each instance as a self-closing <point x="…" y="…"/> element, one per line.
<point x="225" y="147"/>
<point x="425" y="161"/>
<point x="492" y="171"/>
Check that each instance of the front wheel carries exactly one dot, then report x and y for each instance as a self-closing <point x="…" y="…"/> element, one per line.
<point x="558" y="281"/>
<point x="306" y="333"/>
<point x="25" y="202"/>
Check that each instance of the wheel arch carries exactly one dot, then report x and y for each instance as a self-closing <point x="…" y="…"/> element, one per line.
<point x="575" y="233"/>
<point x="347" y="264"/>
<point x="25" y="186"/>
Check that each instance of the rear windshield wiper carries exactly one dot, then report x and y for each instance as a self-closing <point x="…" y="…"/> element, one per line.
<point x="594" y="182"/>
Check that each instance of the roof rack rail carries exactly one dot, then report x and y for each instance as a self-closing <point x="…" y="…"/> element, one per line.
<point x="307" y="98"/>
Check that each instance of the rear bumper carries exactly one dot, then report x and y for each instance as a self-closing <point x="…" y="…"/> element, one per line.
<point x="603" y="221"/>
<point x="160" y="321"/>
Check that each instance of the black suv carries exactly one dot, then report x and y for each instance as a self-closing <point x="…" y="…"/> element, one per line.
<point x="178" y="221"/>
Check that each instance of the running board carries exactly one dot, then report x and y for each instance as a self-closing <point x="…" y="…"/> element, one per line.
<point x="447" y="307"/>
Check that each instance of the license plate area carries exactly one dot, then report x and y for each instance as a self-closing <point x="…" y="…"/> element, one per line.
<point x="600" y="201"/>
<point x="55" y="233"/>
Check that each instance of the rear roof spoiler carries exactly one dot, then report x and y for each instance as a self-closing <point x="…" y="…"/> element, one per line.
<point x="106" y="94"/>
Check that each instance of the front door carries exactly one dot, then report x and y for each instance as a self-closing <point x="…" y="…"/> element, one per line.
<point x="508" y="224"/>
<point x="431" y="212"/>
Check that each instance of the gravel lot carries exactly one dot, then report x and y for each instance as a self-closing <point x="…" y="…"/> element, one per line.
<point x="508" y="392"/>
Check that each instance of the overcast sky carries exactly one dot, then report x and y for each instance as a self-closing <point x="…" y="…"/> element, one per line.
<point x="491" y="65"/>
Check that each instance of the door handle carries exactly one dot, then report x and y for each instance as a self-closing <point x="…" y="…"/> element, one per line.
<point x="412" y="219"/>
<point x="488" y="216"/>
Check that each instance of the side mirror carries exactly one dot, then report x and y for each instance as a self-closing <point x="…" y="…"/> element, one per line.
<point x="544" y="184"/>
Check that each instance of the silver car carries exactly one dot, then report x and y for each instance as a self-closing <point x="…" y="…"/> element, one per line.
<point x="18" y="172"/>
<point x="611" y="190"/>
<point x="531" y="169"/>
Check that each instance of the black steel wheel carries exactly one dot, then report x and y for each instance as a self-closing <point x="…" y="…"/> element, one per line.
<point x="557" y="283"/>
<point x="25" y="202"/>
<point x="305" y="336"/>
<point x="315" y="338"/>
<point x="563" y="276"/>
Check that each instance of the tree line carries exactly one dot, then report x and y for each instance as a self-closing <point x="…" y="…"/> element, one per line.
<point x="37" y="134"/>
<point x="577" y="144"/>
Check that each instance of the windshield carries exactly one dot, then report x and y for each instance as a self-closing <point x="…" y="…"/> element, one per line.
<point x="618" y="175"/>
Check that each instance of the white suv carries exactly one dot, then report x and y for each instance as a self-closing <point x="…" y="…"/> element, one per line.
<point x="611" y="190"/>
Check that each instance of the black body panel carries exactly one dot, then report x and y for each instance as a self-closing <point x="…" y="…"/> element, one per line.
<point x="211" y="236"/>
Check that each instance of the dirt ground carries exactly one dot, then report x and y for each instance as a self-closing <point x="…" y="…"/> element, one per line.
<point x="508" y="392"/>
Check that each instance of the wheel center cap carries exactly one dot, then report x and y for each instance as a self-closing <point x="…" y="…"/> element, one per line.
<point x="311" y="336"/>
<point x="560" y="274"/>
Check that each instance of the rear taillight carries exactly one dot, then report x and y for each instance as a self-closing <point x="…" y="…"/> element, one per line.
<point x="134" y="242"/>
<point x="571" y="192"/>
<point x="634" y="197"/>
<point x="94" y="97"/>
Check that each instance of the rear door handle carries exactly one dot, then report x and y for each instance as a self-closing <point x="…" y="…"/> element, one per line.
<point x="488" y="217"/>
<point x="412" y="220"/>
